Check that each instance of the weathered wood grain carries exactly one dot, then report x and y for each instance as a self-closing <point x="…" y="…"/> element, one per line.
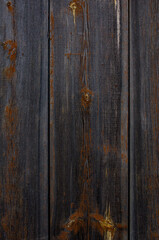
<point x="24" y="119"/>
<point x="98" y="37"/>
<point x="144" y="117"/>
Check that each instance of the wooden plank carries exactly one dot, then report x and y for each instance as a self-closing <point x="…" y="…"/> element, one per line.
<point x="24" y="119"/>
<point x="89" y="119"/>
<point x="144" y="82"/>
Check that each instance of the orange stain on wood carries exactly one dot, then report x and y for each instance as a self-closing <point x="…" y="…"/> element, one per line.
<point x="11" y="119"/>
<point x="154" y="235"/>
<point x="104" y="224"/>
<point x="76" y="7"/>
<point x="86" y="98"/>
<point x="124" y="157"/>
<point x="11" y="47"/>
<point x="10" y="7"/>
<point x="68" y="55"/>
<point x="13" y="197"/>
<point x="9" y="71"/>
<point x="122" y="226"/>
<point x="107" y="148"/>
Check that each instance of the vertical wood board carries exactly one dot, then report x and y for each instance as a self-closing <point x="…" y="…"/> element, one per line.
<point x="24" y="120"/>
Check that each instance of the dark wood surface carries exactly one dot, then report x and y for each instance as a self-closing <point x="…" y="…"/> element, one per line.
<point x="106" y="52"/>
<point x="79" y="119"/>
<point x="24" y="120"/>
<point x="144" y="117"/>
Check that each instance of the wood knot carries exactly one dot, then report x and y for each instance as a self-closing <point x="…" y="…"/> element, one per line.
<point x="73" y="6"/>
<point x="10" y="7"/>
<point x="9" y="4"/>
<point x="86" y="97"/>
<point x="76" y="8"/>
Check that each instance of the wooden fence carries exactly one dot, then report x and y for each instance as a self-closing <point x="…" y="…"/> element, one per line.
<point x="79" y="119"/>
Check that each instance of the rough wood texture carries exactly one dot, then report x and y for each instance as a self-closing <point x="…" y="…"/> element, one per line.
<point x="88" y="132"/>
<point x="89" y="60"/>
<point x="24" y="120"/>
<point x="144" y="59"/>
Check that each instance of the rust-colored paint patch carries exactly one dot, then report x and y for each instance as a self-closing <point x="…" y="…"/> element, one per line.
<point x="122" y="226"/>
<point x="104" y="226"/>
<point x="86" y="97"/>
<point x="11" y="119"/>
<point x="154" y="235"/>
<point x="78" y="221"/>
<point x="11" y="47"/>
<point x="10" y="7"/>
<point x="9" y="71"/>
